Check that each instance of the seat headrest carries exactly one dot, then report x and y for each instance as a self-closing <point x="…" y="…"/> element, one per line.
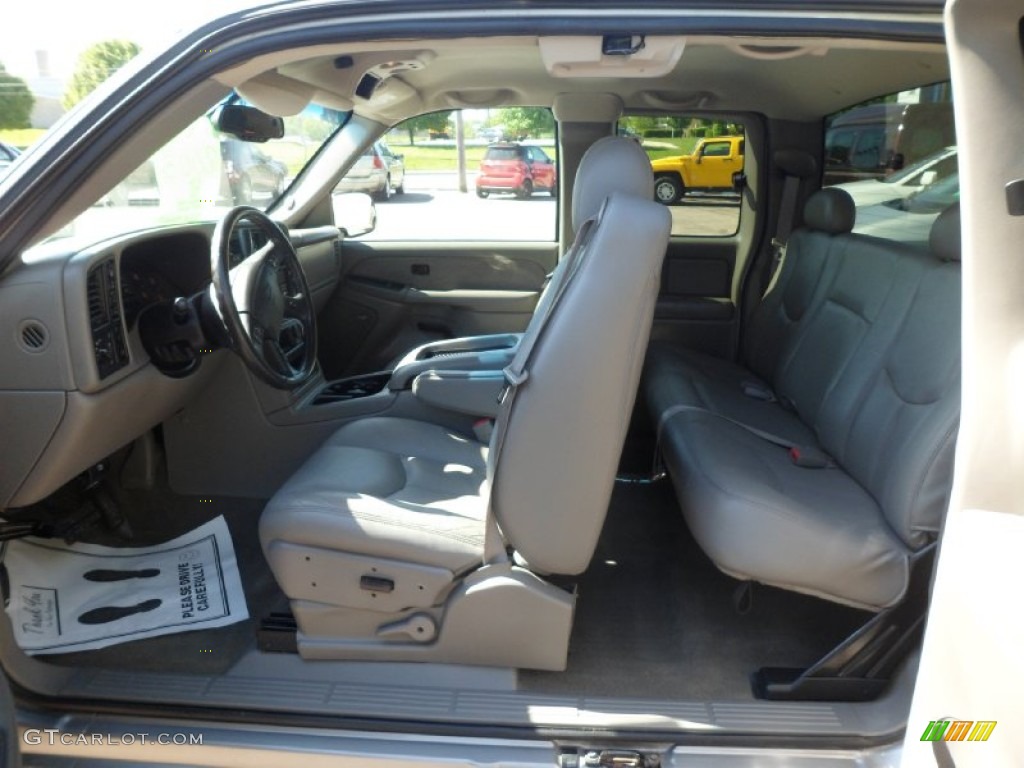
<point x="611" y="164"/>
<point x="944" y="239"/>
<point x="830" y="210"/>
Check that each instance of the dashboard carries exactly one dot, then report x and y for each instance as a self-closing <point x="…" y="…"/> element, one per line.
<point x="76" y="382"/>
<point x="159" y="269"/>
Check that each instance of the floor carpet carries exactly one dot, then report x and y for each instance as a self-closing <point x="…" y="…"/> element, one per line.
<point x="655" y="618"/>
<point x="157" y="516"/>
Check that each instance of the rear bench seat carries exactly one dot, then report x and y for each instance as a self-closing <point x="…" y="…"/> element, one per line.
<point x="854" y="356"/>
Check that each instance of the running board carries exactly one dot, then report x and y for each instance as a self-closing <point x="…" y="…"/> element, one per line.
<point x="861" y="667"/>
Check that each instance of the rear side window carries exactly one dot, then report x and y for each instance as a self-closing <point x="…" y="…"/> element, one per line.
<point x="897" y="157"/>
<point x="869" y="151"/>
<point x="694" y="161"/>
<point x="502" y="153"/>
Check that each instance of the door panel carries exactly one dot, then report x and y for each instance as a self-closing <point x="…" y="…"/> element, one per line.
<point x="695" y="308"/>
<point x="393" y="296"/>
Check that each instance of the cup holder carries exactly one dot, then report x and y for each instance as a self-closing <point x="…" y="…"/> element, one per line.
<point x="353" y="388"/>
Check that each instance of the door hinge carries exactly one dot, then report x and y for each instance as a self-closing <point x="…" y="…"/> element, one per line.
<point x="607" y="758"/>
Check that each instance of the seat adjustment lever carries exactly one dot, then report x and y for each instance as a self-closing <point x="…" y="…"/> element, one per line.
<point x="420" y="627"/>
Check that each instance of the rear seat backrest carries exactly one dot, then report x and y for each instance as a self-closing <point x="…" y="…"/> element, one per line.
<point x="806" y="271"/>
<point x="857" y="318"/>
<point x="895" y="431"/>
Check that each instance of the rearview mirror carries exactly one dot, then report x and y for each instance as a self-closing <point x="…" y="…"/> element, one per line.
<point x="928" y="178"/>
<point x="248" y="123"/>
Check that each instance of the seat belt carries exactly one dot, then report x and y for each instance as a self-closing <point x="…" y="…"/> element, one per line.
<point x="517" y="373"/>
<point x="801" y="455"/>
<point x="787" y="215"/>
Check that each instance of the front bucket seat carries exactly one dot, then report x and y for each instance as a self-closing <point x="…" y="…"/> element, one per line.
<point x="402" y="540"/>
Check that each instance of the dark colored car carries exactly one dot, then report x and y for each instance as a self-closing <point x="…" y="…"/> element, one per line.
<point x="252" y="174"/>
<point x="873" y="141"/>
<point x="521" y="170"/>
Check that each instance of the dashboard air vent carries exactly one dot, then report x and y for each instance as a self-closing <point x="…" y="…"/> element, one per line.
<point x="97" y="307"/>
<point x="104" y="298"/>
<point x="34" y="336"/>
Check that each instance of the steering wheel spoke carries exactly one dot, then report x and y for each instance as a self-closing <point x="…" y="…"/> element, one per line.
<point x="264" y="301"/>
<point x="295" y="305"/>
<point x="276" y="357"/>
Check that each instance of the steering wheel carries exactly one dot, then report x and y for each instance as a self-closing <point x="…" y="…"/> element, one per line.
<point x="263" y="300"/>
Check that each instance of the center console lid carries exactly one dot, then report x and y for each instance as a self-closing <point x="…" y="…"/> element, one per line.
<point x="471" y="353"/>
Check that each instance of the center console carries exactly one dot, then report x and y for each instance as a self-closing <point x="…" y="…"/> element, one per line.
<point x="463" y="376"/>
<point x="470" y="353"/>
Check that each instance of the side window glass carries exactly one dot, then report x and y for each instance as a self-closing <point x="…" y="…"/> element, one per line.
<point x="897" y="157"/>
<point x="868" y="153"/>
<point x="717" y="149"/>
<point x="694" y="161"/>
<point x="837" y="147"/>
<point x="499" y="196"/>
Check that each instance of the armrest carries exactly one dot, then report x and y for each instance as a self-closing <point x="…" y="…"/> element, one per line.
<point x="472" y="392"/>
<point x="472" y="353"/>
<point x="489" y="342"/>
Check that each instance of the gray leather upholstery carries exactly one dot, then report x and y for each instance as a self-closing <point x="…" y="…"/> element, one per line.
<point x="795" y="162"/>
<point x="830" y="210"/>
<point x="394" y="488"/>
<point x="944" y="239"/>
<point x="681" y="376"/>
<point x="407" y="502"/>
<point x="611" y="154"/>
<point x="867" y="372"/>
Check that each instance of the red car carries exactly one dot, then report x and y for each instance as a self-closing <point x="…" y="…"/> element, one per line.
<point x="516" y="168"/>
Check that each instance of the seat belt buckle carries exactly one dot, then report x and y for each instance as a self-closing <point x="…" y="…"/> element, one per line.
<point x="758" y="391"/>
<point x="810" y="458"/>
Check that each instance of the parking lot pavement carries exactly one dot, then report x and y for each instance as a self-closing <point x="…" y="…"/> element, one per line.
<point x="433" y="209"/>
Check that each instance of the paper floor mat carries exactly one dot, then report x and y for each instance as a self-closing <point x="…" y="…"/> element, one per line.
<point x="81" y="597"/>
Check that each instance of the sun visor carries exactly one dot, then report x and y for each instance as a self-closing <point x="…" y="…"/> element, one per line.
<point x="276" y="94"/>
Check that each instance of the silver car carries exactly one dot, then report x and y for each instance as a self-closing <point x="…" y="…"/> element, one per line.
<point x="378" y="172"/>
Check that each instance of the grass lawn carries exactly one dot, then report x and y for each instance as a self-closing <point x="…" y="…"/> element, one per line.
<point x="436" y="157"/>
<point x="21" y="137"/>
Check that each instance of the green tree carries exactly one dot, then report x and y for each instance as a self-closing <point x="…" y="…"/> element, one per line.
<point x="436" y="122"/>
<point x="16" y="101"/>
<point x="95" y="65"/>
<point x="520" y="122"/>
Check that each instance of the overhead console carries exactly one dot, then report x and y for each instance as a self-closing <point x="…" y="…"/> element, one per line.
<point x="611" y="56"/>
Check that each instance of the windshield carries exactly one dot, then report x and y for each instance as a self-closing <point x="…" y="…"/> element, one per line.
<point x="201" y="173"/>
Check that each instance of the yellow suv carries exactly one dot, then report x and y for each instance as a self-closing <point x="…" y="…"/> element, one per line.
<point x="709" y="168"/>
